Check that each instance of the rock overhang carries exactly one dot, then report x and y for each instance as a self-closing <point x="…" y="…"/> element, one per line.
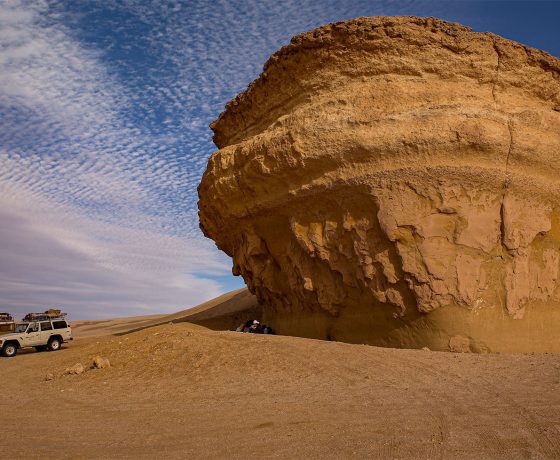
<point x="393" y="165"/>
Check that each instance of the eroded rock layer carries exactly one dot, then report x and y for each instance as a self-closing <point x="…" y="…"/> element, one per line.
<point x="396" y="181"/>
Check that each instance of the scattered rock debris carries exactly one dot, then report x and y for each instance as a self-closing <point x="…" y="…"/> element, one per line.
<point x="459" y="344"/>
<point x="100" y="363"/>
<point x="76" y="369"/>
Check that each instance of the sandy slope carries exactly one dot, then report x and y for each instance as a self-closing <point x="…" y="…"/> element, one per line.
<point x="222" y="313"/>
<point x="96" y="328"/>
<point x="184" y="391"/>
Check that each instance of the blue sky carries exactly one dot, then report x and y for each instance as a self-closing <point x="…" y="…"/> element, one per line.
<point x="105" y="107"/>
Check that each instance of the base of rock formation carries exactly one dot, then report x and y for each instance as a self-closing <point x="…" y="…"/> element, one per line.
<point x="489" y="331"/>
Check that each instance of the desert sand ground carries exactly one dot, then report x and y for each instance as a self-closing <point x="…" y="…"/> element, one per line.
<point x="184" y="391"/>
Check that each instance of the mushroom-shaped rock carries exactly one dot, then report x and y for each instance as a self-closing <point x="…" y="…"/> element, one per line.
<point x="396" y="181"/>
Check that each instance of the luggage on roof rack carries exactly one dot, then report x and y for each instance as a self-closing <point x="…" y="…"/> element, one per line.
<point x="7" y="325"/>
<point x="6" y="317"/>
<point x="46" y="316"/>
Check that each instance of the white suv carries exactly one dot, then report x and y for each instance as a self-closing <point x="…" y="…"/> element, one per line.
<point x="42" y="335"/>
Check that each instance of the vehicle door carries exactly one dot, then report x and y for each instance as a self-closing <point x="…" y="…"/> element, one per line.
<point x="62" y="327"/>
<point x="46" y="332"/>
<point x="32" y="337"/>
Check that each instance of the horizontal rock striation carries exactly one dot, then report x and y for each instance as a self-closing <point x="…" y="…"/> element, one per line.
<point x="396" y="181"/>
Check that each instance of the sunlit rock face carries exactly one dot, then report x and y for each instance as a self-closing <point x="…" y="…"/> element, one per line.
<point x="396" y="181"/>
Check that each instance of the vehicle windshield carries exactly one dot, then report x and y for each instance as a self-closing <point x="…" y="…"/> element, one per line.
<point x="27" y="327"/>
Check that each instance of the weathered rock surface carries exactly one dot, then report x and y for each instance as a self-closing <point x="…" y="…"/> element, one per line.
<point x="459" y="344"/>
<point x="396" y="181"/>
<point x="99" y="362"/>
<point x="76" y="369"/>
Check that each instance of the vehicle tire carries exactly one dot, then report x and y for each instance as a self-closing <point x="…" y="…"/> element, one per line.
<point x="54" y="344"/>
<point x="41" y="348"/>
<point x="9" y="350"/>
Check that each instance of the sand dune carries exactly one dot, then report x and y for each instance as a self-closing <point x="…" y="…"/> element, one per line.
<point x="96" y="328"/>
<point x="222" y="313"/>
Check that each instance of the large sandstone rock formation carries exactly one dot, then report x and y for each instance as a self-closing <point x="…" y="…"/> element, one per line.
<point x="396" y="181"/>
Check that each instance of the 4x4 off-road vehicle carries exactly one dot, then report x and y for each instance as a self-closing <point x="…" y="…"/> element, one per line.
<point x="44" y="333"/>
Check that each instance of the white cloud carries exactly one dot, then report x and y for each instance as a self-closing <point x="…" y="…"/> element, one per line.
<point x="55" y="255"/>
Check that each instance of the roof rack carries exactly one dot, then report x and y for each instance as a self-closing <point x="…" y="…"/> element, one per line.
<point x="6" y="317"/>
<point x="46" y="316"/>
